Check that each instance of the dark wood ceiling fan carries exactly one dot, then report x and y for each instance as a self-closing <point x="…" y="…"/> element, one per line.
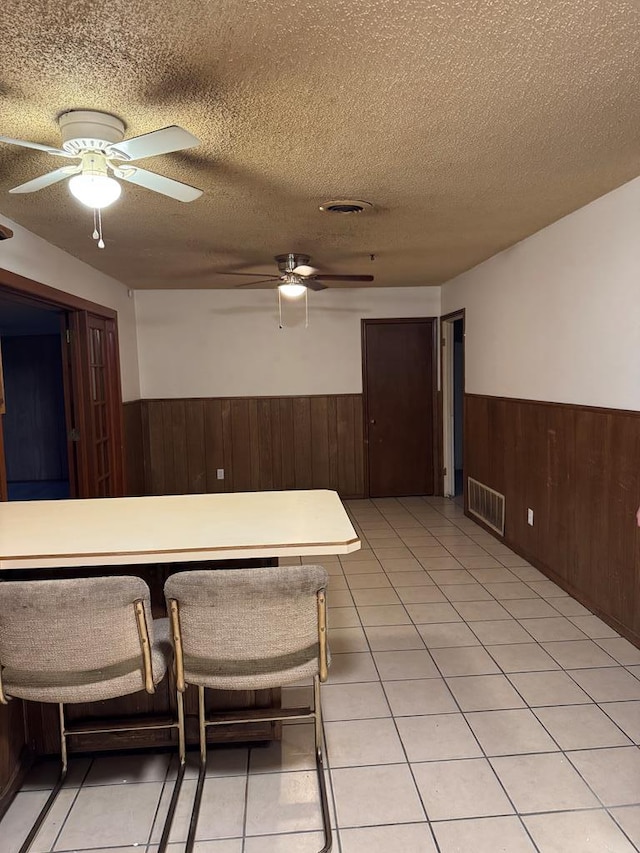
<point x="294" y="272"/>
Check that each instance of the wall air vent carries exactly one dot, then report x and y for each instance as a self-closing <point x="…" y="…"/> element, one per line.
<point x="486" y="504"/>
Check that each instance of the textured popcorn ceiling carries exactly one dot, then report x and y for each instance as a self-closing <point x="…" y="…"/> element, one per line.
<point x="468" y="123"/>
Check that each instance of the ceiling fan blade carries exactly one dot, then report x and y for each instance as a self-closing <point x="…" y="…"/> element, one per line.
<point x="37" y="145"/>
<point x="314" y="284"/>
<point x="305" y="270"/>
<point x="323" y="277"/>
<point x="160" y="184"/>
<point x="254" y="283"/>
<point x="43" y="181"/>
<point x="162" y="141"/>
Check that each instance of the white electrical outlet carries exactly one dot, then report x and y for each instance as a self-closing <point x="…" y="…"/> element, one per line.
<point x="220" y="473"/>
<point x="530" y="516"/>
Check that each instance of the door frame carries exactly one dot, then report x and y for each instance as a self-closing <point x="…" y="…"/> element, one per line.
<point x="76" y="379"/>
<point x="364" y="323"/>
<point x="447" y="410"/>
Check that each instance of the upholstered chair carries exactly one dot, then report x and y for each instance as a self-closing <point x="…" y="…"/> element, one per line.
<point x="251" y="629"/>
<point x="83" y="640"/>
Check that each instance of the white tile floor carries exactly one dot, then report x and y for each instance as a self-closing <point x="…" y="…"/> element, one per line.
<point x="472" y="707"/>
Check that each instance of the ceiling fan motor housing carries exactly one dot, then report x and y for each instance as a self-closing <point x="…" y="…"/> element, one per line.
<point x="287" y="263"/>
<point x="84" y="130"/>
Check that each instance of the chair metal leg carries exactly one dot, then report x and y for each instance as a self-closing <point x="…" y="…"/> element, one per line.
<point x="326" y="821"/>
<point x="322" y="785"/>
<point x="195" y="812"/>
<point x="166" y="830"/>
<point x="66" y="732"/>
<point x="56" y="790"/>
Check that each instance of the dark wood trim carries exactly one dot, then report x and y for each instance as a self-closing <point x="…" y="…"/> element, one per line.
<point x="4" y="494"/>
<point x="69" y="415"/>
<point x="438" y="462"/>
<point x="5" y="232"/>
<point x="51" y="295"/>
<point x="577" y="468"/>
<point x="581" y="407"/>
<point x="453" y="315"/>
<point x="176" y="446"/>
<point x="365" y="410"/>
<point x="15" y="781"/>
<point x="79" y="381"/>
<point x="3" y="404"/>
<point x="364" y="323"/>
<point x="116" y="407"/>
<point x="15" y="754"/>
<point x="134" y="448"/>
<point x="434" y="401"/>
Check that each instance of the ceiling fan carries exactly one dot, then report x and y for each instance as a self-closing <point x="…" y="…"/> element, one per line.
<point x="296" y="276"/>
<point x="96" y="140"/>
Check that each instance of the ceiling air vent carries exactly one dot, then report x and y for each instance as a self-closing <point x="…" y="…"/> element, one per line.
<point x="345" y="206"/>
<point x="486" y="504"/>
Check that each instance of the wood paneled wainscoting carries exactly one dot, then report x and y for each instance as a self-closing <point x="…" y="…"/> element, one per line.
<point x="177" y="446"/>
<point x="578" y="469"/>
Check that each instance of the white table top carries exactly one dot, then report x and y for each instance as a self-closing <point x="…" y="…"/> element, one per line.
<point x="174" y="528"/>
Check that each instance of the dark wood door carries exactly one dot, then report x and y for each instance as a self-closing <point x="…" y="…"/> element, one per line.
<point x="98" y="410"/>
<point x="399" y="359"/>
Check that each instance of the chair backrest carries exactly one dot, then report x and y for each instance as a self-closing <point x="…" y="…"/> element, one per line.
<point x="246" y="629"/>
<point x="58" y="633"/>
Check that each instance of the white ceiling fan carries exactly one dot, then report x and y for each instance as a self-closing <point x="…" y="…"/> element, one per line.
<point x="96" y="140"/>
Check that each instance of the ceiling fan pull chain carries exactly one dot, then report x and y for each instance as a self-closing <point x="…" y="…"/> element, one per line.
<point x="95" y="234"/>
<point x="306" y="307"/>
<point x="279" y="309"/>
<point x="100" y="240"/>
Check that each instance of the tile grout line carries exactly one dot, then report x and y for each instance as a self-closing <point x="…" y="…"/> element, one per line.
<point x="483" y="753"/>
<point x="73" y="802"/>
<point x="480" y="747"/>
<point x="528" y="707"/>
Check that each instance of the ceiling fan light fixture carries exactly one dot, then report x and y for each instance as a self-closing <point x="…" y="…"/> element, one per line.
<point x="292" y="290"/>
<point x="305" y="270"/>
<point x="95" y="189"/>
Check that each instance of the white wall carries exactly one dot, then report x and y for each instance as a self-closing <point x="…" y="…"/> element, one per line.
<point x="34" y="258"/>
<point x="219" y="343"/>
<point x="557" y="316"/>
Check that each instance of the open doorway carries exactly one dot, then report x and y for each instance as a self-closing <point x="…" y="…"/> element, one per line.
<point x="34" y="430"/>
<point x="452" y="330"/>
<point x="61" y="396"/>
